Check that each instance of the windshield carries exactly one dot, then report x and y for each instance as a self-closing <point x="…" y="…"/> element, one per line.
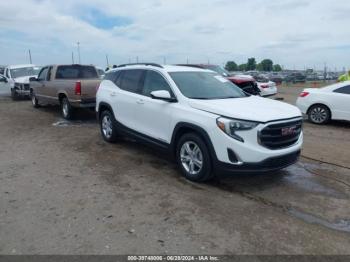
<point x="205" y="85"/>
<point x="24" y="71"/>
<point x="219" y="70"/>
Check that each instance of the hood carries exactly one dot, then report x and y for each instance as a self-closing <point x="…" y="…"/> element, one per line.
<point x="23" y="79"/>
<point x="252" y="108"/>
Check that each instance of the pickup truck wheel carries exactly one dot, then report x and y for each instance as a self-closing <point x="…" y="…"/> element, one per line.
<point x="67" y="109"/>
<point x="14" y="94"/>
<point x="193" y="157"/>
<point x="108" y="127"/>
<point x="35" y="101"/>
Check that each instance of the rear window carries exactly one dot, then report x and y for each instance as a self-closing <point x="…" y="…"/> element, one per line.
<point x="76" y="72"/>
<point x="131" y="80"/>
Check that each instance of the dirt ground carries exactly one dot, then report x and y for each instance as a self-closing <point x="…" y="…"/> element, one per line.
<point x="63" y="190"/>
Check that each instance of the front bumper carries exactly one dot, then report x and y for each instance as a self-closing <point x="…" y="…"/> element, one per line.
<point x="271" y="164"/>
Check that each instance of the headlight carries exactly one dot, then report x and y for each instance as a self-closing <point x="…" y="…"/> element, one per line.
<point x="230" y="126"/>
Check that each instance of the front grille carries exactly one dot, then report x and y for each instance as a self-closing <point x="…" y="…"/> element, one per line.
<point x="26" y="87"/>
<point x="281" y="135"/>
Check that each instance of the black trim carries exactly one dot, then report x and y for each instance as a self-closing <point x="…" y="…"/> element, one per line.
<point x="271" y="164"/>
<point x="184" y="125"/>
<point x="124" y="130"/>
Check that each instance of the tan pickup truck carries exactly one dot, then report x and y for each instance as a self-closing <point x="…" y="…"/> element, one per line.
<point x="70" y="86"/>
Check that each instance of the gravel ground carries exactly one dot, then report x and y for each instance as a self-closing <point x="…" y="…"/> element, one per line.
<point x="63" y="190"/>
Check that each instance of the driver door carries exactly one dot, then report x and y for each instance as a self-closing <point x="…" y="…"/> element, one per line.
<point x="152" y="115"/>
<point x="39" y="86"/>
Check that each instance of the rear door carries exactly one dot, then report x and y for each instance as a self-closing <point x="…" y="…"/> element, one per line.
<point x="126" y="96"/>
<point x="153" y="116"/>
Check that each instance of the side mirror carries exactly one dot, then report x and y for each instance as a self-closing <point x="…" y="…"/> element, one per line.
<point x="3" y="79"/>
<point x="32" y="79"/>
<point x="162" y="95"/>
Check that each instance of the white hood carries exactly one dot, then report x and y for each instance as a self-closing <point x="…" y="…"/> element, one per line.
<point x="22" y="79"/>
<point x="252" y="108"/>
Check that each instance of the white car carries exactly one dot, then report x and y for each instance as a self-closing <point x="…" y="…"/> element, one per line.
<point x="209" y="125"/>
<point x="17" y="79"/>
<point x="267" y="88"/>
<point x="324" y="104"/>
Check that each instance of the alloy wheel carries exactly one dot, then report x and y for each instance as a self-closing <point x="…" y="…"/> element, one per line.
<point x="318" y="115"/>
<point x="191" y="157"/>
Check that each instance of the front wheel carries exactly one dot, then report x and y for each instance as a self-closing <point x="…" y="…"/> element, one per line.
<point x="35" y="101"/>
<point x="319" y="114"/>
<point x="66" y="109"/>
<point x="14" y="94"/>
<point x="193" y="158"/>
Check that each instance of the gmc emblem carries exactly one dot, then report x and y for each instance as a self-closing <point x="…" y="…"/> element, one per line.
<point x="287" y="131"/>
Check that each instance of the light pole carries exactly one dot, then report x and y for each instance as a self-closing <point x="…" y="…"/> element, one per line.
<point x="30" y="56"/>
<point x="78" y="43"/>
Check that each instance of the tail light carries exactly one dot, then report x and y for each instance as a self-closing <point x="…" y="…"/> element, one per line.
<point x="78" y="88"/>
<point x="303" y="94"/>
<point x="264" y="86"/>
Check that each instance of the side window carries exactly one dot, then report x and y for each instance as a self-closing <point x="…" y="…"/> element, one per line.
<point x="43" y="73"/>
<point x="7" y="73"/>
<point x="131" y="80"/>
<point x="343" y="90"/>
<point x="153" y="82"/>
<point x="48" y="77"/>
<point x="112" y="76"/>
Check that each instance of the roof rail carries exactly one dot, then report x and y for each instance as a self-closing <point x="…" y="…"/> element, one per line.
<point x="147" y="64"/>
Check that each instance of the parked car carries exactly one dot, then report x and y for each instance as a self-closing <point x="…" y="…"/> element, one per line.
<point x="246" y="83"/>
<point x="276" y="78"/>
<point x="3" y="86"/>
<point x="207" y="123"/>
<point x="70" y="86"/>
<point x="296" y="78"/>
<point x="17" y="80"/>
<point x="2" y="69"/>
<point x="324" y="104"/>
<point x="267" y="87"/>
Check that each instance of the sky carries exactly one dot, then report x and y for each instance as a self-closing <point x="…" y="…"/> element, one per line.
<point x="294" y="33"/>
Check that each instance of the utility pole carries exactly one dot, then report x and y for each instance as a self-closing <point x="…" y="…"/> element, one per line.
<point x="187" y="60"/>
<point x="73" y="58"/>
<point x="78" y="44"/>
<point x="30" y="57"/>
<point x="107" y="60"/>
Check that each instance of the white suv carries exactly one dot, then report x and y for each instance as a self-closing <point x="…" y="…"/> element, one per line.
<point x="207" y="123"/>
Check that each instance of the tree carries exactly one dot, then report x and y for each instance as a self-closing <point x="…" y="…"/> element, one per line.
<point x="267" y="65"/>
<point x="242" y="67"/>
<point x="259" y="67"/>
<point x="277" y="68"/>
<point x="231" y="66"/>
<point x="251" y="64"/>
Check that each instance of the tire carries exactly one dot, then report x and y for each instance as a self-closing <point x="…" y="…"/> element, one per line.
<point x="66" y="109"/>
<point x="14" y="94"/>
<point x="35" y="101"/>
<point x="108" y="127"/>
<point x="319" y="114"/>
<point x="191" y="149"/>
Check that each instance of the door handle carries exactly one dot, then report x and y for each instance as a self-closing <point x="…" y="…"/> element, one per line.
<point x="140" y="101"/>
